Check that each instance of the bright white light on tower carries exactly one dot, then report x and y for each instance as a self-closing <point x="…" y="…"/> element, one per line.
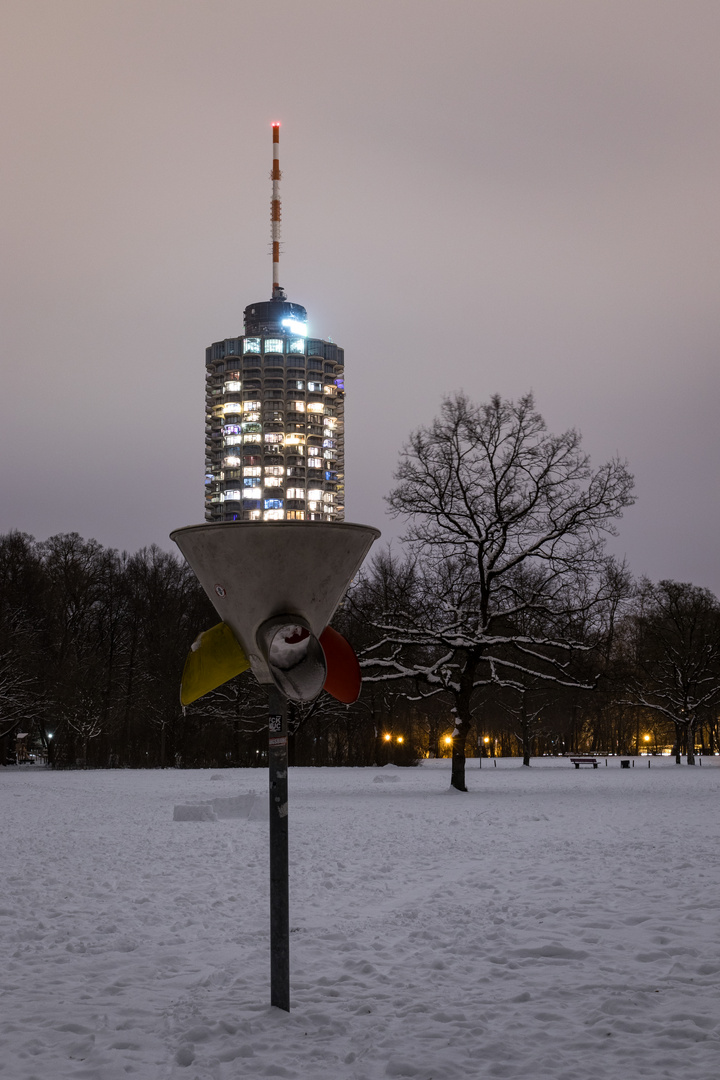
<point x="295" y="327"/>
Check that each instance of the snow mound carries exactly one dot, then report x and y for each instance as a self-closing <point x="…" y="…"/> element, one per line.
<point x="248" y="807"/>
<point x="385" y="779"/>
<point x="200" y="812"/>
<point x="260" y="810"/>
<point x="237" y="806"/>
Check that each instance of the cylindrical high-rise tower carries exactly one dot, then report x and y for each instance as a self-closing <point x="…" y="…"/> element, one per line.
<point x="274" y="418"/>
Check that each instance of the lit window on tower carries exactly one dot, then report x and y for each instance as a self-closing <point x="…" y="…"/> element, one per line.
<point x="294" y="326"/>
<point x="251" y="345"/>
<point x="273" y="345"/>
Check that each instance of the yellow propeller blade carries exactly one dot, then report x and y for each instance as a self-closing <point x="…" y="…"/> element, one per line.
<point x="214" y="657"/>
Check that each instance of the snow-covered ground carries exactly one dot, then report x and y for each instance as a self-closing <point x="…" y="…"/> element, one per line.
<point x="550" y="923"/>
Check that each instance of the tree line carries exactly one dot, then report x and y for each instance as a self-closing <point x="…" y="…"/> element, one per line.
<point x="499" y="625"/>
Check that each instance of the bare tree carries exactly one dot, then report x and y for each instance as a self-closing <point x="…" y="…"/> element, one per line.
<point x="17" y="703"/>
<point x="677" y="657"/>
<point x="525" y="709"/>
<point x="238" y="706"/>
<point x="507" y="577"/>
<point x="22" y="693"/>
<point x="86" y="717"/>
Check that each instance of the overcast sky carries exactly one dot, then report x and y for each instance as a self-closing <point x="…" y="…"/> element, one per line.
<point x="489" y="195"/>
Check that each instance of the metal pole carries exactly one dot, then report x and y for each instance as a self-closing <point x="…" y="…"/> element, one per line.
<point x="275" y="213"/>
<point x="279" y="892"/>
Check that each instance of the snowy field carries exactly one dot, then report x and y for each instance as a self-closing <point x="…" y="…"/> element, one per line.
<point x="550" y="923"/>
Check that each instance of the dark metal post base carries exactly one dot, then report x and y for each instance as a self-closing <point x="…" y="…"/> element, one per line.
<point x="279" y="892"/>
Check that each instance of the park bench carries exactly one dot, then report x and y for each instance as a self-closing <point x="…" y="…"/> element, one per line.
<point x="578" y="761"/>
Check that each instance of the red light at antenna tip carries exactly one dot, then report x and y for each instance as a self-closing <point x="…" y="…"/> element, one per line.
<point x="275" y="123"/>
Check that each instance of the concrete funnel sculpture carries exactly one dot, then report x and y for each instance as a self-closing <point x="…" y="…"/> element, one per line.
<point x="257" y="571"/>
<point x="275" y="585"/>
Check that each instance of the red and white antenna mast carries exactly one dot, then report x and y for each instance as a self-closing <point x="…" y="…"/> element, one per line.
<point x="278" y="292"/>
